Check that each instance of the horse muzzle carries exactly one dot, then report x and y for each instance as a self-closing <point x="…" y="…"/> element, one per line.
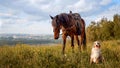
<point x="56" y="37"/>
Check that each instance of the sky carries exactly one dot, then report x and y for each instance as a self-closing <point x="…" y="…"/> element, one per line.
<point x="32" y="16"/>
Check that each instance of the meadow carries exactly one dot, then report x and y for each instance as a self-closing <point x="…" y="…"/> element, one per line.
<point x="32" y="56"/>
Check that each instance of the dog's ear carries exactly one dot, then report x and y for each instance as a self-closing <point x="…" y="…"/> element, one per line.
<point x="99" y="43"/>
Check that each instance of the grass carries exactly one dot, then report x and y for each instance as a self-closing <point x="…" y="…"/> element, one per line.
<point x="27" y="56"/>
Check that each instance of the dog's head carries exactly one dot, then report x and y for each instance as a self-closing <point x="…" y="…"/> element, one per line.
<point x="96" y="44"/>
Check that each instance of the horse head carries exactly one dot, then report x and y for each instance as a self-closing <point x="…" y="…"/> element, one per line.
<point x="56" y="26"/>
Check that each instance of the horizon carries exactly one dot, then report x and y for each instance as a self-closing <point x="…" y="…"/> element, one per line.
<point x="22" y="34"/>
<point x="32" y="16"/>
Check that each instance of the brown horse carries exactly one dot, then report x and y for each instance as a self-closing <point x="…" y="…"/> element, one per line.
<point x="71" y="25"/>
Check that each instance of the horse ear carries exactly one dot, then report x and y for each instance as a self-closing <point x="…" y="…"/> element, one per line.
<point x="51" y="17"/>
<point x="70" y="11"/>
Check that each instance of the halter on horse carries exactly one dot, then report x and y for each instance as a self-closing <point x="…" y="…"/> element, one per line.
<point x="71" y="25"/>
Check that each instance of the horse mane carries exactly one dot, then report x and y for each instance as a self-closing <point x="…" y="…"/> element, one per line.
<point x="65" y="19"/>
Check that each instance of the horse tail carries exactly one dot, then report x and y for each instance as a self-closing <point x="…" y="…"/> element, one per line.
<point x="84" y="40"/>
<point x="84" y="35"/>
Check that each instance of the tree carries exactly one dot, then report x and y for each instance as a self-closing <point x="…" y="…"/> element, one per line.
<point x="104" y="29"/>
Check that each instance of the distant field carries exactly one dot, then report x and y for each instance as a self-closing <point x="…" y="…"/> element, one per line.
<point x="26" y="56"/>
<point x="13" y="39"/>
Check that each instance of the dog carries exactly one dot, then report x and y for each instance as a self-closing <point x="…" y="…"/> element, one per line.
<point x="96" y="56"/>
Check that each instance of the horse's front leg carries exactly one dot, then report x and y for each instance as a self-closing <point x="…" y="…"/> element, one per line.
<point x="64" y="43"/>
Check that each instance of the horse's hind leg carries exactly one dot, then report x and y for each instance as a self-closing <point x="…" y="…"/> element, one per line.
<point x="78" y="42"/>
<point x="82" y="39"/>
<point x="72" y="43"/>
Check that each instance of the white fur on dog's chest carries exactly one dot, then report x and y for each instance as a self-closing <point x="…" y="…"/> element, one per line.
<point x="95" y="54"/>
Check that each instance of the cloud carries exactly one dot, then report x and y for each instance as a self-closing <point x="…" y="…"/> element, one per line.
<point x="32" y="16"/>
<point x="28" y="28"/>
<point x="23" y="6"/>
<point x="0" y="24"/>
<point x="105" y="2"/>
<point x="109" y="13"/>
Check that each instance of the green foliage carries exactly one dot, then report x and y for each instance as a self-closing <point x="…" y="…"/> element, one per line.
<point x="104" y="30"/>
<point x="26" y="56"/>
<point x="116" y="28"/>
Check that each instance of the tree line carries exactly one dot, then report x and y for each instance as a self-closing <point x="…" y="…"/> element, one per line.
<point x="104" y="29"/>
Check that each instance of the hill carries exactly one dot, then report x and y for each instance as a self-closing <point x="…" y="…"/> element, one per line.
<point x="13" y="39"/>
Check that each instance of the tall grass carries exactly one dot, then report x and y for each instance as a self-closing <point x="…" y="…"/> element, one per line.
<point x="26" y="56"/>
